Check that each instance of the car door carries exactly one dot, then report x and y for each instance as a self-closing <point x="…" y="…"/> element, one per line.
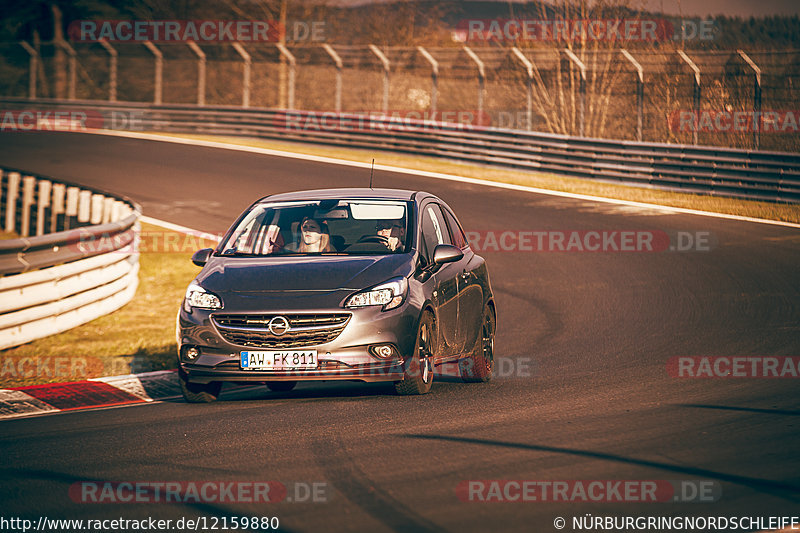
<point x="445" y="279"/>
<point x="470" y="291"/>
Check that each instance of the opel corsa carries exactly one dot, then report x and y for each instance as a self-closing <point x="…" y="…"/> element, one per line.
<point x="339" y="284"/>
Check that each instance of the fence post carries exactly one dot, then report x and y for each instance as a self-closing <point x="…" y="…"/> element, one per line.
<point x="756" y="98"/>
<point x="696" y="93"/>
<point x="201" y="72"/>
<point x="481" y="77"/>
<point x="245" y="73"/>
<point x="112" y="70"/>
<point x="292" y="66"/>
<point x="33" y="66"/>
<point x="159" y="71"/>
<point x="639" y="92"/>
<point x="338" y="62"/>
<point x="72" y="66"/>
<point x="581" y="90"/>
<point x="529" y="70"/>
<point x="385" y="62"/>
<point x="434" y="78"/>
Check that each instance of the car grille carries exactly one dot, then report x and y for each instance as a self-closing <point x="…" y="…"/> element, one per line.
<point x="304" y="330"/>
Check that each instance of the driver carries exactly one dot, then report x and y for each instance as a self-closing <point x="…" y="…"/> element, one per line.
<point x="393" y="232"/>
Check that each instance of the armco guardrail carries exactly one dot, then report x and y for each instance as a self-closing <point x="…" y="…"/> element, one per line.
<point x="772" y="176"/>
<point x="74" y="260"/>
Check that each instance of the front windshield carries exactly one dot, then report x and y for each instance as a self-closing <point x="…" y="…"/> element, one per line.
<point x="325" y="227"/>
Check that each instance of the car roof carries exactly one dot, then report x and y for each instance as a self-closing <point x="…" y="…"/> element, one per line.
<point x="347" y="193"/>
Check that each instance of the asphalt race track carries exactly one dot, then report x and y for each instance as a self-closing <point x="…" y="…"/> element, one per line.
<point x="583" y="339"/>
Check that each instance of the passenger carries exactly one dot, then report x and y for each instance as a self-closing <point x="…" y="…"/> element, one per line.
<point x="394" y="232"/>
<point x="314" y="238"/>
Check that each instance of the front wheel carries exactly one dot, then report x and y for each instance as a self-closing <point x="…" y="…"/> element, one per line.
<point x="418" y="369"/>
<point x="477" y="366"/>
<point x="199" y="392"/>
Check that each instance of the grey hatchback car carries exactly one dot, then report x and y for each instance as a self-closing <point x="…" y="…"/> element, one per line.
<point x="337" y="284"/>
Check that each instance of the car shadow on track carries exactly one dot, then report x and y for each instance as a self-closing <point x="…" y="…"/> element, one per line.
<point x="256" y="391"/>
<point x="787" y="491"/>
<point x="787" y="412"/>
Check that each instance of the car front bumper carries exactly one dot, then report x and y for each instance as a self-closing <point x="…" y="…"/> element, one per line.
<point x="347" y="357"/>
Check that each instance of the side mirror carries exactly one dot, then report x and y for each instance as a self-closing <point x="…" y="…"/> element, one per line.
<point x="200" y="257"/>
<point x="446" y="253"/>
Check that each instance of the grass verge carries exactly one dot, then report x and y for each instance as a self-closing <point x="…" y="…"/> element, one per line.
<point x="138" y="337"/>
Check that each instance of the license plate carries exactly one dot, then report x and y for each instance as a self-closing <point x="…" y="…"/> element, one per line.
<point x="279" y="360"/>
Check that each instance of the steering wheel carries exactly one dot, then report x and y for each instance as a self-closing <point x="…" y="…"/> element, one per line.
<point x="375" y="239"/>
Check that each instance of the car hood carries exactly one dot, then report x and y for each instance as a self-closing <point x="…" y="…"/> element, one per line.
<point x="322" y="274"/>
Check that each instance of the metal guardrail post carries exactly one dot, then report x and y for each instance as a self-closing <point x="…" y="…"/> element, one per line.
<point x="42" y="203"/>
<point x="338" y="62"/>
<point x="72" y="66"/>
<point x="159" y="61"/>
<point x="756" y="98"/>
<point x="696" y="93"/>
<point x="581" y="90"/>
<point x="112" y="70"/>
<point x="28" y="187"/>
<point x="201" y="72"/>
<point x="292" y="67"/>
<point x="529" y="70"/>
<point x="12" y="191"/>
<point x="245" y="73"/>
<point x="33" y="66"/>
<point x="481" y="77"/>
<point x="385" y="62"/>
<point x="434" y="77"/>
<point x="639" y="92"/>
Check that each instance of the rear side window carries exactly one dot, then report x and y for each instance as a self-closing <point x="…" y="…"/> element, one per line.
<point x="434" y="228"/>
<point x="459" y="239"/>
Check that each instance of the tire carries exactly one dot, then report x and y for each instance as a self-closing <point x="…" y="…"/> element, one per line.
<point x="477" y="366"/>
<point x="281" y="386"/>
<point x="199" y="392"/>
<point x="418" y="369"/>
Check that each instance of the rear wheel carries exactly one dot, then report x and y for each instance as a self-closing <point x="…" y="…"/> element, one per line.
<point x="199" y="392"/>
<point x="281" y="386"/>
<point x="477" y="366"/>
<point x="418" y="369"/>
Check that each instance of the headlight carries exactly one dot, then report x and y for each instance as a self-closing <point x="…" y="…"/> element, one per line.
<point x="197" y="296"/>
<point x="389" y="294"/>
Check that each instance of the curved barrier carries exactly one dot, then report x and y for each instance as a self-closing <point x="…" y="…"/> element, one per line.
<point x="71" y="257"/>
<point x="757" y="175"/>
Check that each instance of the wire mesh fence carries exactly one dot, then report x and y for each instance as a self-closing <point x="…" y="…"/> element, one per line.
<point x="718" y="98"/>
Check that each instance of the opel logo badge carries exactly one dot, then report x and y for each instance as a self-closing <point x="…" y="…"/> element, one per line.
<point x="278" y="326"/>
